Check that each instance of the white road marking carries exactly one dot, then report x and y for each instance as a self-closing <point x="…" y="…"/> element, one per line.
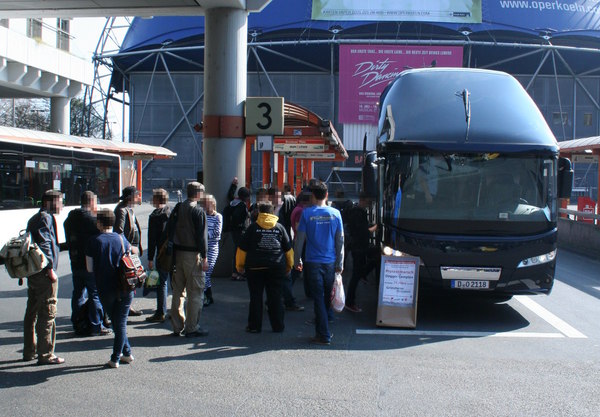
<point x="553" y="320"/>
<point x="596" y="288"/>
<point x="442" y="333"/>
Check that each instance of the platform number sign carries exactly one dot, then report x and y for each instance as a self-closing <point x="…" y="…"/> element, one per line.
<point x="264" y="116"/>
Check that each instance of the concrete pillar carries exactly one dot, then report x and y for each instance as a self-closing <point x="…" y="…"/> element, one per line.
<point x="225" y="45"/>
<point x="60" y="115"/>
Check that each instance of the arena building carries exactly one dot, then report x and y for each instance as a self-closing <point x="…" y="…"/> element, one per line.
<point x="309" y="53"/>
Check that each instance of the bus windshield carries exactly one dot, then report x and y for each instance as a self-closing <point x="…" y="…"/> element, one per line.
<point x="470" y="193"/>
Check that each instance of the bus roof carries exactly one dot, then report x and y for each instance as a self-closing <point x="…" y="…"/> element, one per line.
<point x="461" y="109"/>
<point x="125" y="149"/>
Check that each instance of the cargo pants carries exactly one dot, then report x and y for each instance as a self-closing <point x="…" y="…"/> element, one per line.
<point x="39" y="327"/>
<point x="188" y="288"/>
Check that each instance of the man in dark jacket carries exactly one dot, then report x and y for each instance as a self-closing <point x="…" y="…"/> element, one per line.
<point x="157" y="236"/>
<point x="80" y="225"/>
<point x="359" y="230"/>
<point x="127" y="224"/>
<point x="187" y="231"/>
<point x="265" y="254"/>
<point x="39" y="326"/>
<point x="235" y="220"/>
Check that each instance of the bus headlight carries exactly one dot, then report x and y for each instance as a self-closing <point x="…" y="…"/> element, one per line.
<point x="538" y="260"/>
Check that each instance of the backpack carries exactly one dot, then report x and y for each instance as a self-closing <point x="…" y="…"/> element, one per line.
<point x="22" y="256"/>
<point x="131" y="271"/>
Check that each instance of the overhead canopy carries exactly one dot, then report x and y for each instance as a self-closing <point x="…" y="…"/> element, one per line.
<point x="107" y="8"/>
<point x="580" y="145"/>
<point x="124" y="149"/>
<point x="303" y="128"/>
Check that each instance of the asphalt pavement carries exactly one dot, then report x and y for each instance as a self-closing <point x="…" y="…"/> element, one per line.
<point x="467" y="357"/>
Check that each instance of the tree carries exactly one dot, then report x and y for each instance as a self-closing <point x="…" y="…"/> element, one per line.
<point x="35" y="114"/>
<point x="25" y="113"/>
<point x="80" y="125"/>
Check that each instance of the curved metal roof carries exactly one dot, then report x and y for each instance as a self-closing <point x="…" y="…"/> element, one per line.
<point x="511" y="38"/>
<point x="284" y="19"/>
<point x="124" y="149"/>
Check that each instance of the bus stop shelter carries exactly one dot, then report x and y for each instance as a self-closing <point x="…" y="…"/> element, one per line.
<point x="134" y="153"/>
<point x="584" y="150"/>
<point x="306" y="138"/>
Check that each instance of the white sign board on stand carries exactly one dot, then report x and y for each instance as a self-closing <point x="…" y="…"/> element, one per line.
<point x="398" y="291"/>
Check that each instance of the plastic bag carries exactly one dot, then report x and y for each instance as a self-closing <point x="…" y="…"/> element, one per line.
<point x="153" y="279"/>
<point x="338" y="297"/>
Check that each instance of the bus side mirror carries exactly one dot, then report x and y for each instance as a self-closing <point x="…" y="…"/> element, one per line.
<point x="370" y="175"/>
<point x="565" y="178"/>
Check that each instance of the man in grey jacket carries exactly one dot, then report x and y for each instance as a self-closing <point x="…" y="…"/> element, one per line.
<point x="39" y="327"/>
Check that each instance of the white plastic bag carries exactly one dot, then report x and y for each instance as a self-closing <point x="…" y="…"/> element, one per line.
<point x="338" y="297"/>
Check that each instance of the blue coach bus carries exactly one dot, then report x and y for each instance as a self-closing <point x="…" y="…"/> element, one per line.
<point x="467" y="177"/>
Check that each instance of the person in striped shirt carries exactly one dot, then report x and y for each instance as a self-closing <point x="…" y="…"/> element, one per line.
<point x="214" y="225"/>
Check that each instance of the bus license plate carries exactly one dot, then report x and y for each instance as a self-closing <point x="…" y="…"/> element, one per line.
<point x="464" y="284"/>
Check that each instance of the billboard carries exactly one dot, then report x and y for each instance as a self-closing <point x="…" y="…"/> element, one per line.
<point x="365" y="71"/>
<point x="447" y="11"/>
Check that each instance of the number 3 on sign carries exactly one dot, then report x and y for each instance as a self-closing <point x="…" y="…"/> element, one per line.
<point x="264" y="116"/>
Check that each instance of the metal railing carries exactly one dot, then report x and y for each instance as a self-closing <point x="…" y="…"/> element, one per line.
<point x="580" y="215"/>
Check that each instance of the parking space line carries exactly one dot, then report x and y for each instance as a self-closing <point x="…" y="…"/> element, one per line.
<point x="449" y="333"/>
<point x="550" y="318"/>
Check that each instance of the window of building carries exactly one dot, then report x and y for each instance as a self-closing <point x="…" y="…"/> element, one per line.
<point x="62" y="34"/>
<point x="587" y="119"/>
<point x="34" y="28"/>
<point x="557" y="119"/>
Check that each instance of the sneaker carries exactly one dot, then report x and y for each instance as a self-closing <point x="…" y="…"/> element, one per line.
<point x="176" y="334"/>
<point x="198" y="333"/>
<point x="111" y="364"/>
<point x="133" y="312"/>
<point x="127" y="359"/>
<point x="294" y="307"/>
<point x="156" y="318"/>
<point x="353" y="308"/>
<point x="318" y="340"/>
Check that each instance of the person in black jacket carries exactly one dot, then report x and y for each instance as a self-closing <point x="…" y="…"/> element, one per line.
<point x="157" y="236"/>
<point x="359" y="231"/>
<point x="188" y="234"/>
<point x="235" y="220"/>
<point x="127" y="224"/>
<point x="39" y="327"/>
<point x="265" y="255"/>
<point x="79" y="226"/>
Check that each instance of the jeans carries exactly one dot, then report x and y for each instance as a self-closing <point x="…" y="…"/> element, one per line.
<point x="79" y="295"/>
<point x="117" y="306"/>
<point x="320" y="280"/>
<point x="95" y="310"/>
<point x="161" y="293"/>
<point x="288" y="285"/>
